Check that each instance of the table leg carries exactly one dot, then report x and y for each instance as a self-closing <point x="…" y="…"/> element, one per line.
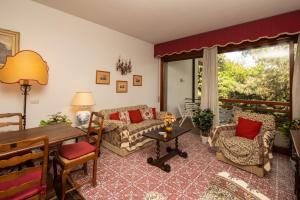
<point x="157" y="149"/>
<point x="159" y="162"/>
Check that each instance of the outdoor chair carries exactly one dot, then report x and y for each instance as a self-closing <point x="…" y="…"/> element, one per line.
<point x="186" y="111"/>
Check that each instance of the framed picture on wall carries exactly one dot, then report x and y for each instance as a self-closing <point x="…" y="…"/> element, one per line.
<point x="137" y="80"/>
<point x="9" y="44"/>
<point x="122" y="86"/>
<point x="102" y="77"/>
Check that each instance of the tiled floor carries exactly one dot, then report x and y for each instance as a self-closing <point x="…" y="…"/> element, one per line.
<point x="131" y="177"/>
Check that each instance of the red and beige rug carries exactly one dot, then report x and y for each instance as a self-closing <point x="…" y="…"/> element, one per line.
<point x="132" y="178"/>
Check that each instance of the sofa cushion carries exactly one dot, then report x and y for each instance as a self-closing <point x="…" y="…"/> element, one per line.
<point x="124" y="117"/>
<point x="114" y="116"/>
<point x="73" y="151"/>
<point x="107" y="112"/>
<point x="133" y="128"/>
<point x="146" y="113"/>
<point x="248" y="128"/>
<point x="135" y="116"/>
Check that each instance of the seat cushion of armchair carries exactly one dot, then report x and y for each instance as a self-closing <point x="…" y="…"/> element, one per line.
<point x="240" y="150"/>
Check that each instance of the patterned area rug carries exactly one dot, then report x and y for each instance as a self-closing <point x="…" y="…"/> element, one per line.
<point x="132" y="178"/>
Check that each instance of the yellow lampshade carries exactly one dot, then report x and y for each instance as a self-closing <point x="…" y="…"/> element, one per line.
<point x="83" y="99"/>
<point x="25" y="66"/>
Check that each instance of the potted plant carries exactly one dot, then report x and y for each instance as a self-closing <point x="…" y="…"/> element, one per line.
<point x="57" y="118"/>
<point x="286" y="127"/>
<point x="204" y="121"/>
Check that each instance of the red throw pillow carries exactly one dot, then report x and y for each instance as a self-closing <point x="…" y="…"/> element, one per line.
<point x="154" y="113"/>
<point x="248" y="128"/>
<point x="114" y="116"/>
<point x="135" y="116"/>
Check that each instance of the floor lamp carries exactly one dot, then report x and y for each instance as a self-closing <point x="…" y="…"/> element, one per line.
<point x="24" y="68"/>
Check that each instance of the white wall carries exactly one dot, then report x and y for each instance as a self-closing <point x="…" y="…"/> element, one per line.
<point x="179" y="85"/>
<point x="74" y="49"/>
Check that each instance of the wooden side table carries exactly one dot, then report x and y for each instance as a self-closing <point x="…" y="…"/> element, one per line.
<point x="295" y="135"/>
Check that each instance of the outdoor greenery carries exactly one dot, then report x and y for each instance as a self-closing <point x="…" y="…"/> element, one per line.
<point x="266" y="79"/>
<point x="204" y="120"/>
<point x="255" y="74"/>
<point x="57" y="118"/>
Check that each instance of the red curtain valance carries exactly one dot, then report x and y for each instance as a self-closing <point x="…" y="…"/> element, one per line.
<point x="288" y="23"/>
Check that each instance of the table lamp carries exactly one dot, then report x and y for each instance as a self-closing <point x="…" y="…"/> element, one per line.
<point x="84" y="100"/>
<point x="24" y="68"/>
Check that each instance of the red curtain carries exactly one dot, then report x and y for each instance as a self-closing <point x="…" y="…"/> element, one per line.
<point x="288" y="23"/>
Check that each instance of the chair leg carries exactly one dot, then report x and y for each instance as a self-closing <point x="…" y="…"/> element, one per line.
<point x="94" y="178"/>
<point x="183" y="119"/>
<point x="64" y="177"/>
<point x="54" y="168"/>
<point x="85" y="169"/>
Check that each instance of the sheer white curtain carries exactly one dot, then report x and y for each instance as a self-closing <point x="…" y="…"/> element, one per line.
<point x="209" y="90"/>
<point x="296" y="84"/>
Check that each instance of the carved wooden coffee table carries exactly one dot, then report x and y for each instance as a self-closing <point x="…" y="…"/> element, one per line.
<point x="160" y="161"/>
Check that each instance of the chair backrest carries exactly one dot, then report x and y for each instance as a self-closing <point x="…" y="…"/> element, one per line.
<point x="181" y="110"/>
<point x="191" y="107"/>
<point x="10" y="115"/>
<point x="96" y="126"/>
<point x="29" y="181"/>
<point x="268" y="121"/>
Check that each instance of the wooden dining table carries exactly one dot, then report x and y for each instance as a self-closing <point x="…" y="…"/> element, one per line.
<point x="57" y="134"/>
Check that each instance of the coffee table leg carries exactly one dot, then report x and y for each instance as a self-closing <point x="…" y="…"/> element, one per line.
<point x="179" y="152"/>
<point x="157" y="150"/>
<point x="159" y="162"/>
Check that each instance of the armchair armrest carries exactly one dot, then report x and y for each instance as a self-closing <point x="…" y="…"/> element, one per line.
<point x="226" y="131"/>
<point x="265" y="141"/>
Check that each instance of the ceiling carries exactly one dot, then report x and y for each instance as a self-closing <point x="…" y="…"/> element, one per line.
<point x="158" y="21"/>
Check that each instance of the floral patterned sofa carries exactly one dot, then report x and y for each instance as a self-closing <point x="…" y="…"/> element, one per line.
<point x="123" y="138"/>
<point x="253" y="156"/>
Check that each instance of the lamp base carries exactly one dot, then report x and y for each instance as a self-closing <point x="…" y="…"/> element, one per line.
<point x="83" y="117"/>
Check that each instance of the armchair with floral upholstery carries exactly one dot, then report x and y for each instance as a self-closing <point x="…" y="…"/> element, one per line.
<point x="254" y="155"/>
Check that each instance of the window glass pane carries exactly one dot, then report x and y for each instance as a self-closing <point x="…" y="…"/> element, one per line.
<point x="255" y="74"/>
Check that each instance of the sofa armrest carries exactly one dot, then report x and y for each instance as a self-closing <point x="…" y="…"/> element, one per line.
<point x="226" y="131"/>
<point x="110" y="125"/>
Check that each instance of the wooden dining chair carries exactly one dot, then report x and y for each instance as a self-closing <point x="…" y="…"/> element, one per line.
<point x="71" y="156"/>
<point x="30" y="182"/>
<point x="9" y="123"/>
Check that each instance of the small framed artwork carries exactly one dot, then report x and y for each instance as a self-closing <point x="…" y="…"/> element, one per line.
<point x="9" y="44"/>
<point x="137" y="80"/>
<point x="122" y="86"/>
<point x="102" y="77"/>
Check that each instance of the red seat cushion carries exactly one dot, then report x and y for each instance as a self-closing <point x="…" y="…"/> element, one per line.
<point x="73" y="151"/>
<point x="114" y="116"/>
<point x="154" y="113"/>
<point x="248" y="128"/>
<point x="135" y="116"/>
<point x="35" y="175"/>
